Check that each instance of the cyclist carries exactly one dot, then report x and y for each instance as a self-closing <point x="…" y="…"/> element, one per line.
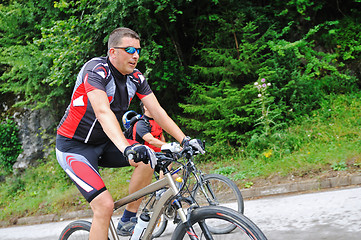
<point x="147" y="131"/>
<point x="89" y="134"/>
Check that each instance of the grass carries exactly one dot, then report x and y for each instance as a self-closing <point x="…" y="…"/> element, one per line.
<point x="329" y="139"/>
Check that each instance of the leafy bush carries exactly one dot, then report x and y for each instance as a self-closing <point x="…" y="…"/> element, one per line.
<point x="301" y="75"/>
<point x="216" y="112"/>
<point x="10" y="146"/>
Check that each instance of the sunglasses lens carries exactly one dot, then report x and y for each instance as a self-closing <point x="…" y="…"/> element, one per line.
<point x="132" y="50"/>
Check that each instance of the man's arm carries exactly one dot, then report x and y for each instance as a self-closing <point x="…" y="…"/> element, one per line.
<point x="162" y="118"/>
<point x="107" y="119"/>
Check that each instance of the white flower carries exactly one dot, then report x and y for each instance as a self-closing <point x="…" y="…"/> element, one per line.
<point x="259" y="95"/>
<point x="269" y="84"/>
<point x="256" y="83"/>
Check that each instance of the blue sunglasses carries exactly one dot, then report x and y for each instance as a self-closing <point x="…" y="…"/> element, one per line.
<point x="130" y="50"/>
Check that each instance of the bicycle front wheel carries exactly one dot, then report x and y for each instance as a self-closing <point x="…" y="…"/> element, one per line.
<point x="77" y="230"/>
<point x="218" y="190"/>
<point x="201" y="217"/>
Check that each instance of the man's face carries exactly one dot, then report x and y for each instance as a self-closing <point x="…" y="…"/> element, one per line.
<point x="125" y="62"/>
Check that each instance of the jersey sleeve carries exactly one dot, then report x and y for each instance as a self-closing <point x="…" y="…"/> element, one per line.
<point x="143" y="88"/>
<point x="142" y="128"/>
<point x="94" y="74"/>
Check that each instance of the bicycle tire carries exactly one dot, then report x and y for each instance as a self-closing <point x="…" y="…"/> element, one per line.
<point x="224" y="193"/>
<point x="148" y="203"/>
<point x="246" y="228"/>
<point x="77" y="230"/>
<point x="160" y="227"/>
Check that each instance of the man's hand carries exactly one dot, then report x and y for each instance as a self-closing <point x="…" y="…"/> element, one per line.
<point x="141" y="153"/>
<point x="196" y="144"/>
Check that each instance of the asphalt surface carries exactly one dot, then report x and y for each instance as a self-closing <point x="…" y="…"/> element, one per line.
<point x="331" y="215"/>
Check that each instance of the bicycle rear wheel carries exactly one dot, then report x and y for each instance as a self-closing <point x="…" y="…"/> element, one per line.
<point x="148" y="203"/>
<point x="219" y="190"/>
<point x="77" y="230"/>
<point x="201" y="217"/>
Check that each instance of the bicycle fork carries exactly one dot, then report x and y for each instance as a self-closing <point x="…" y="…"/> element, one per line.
<point x="185" y="218"/>
<point x="180" y="211"/>
<point x="198" y="175"/>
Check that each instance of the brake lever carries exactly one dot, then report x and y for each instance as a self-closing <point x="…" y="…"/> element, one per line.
<point x="188" y="152"/>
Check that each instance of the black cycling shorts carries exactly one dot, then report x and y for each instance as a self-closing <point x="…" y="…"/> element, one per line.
<point x="81" y="162"/>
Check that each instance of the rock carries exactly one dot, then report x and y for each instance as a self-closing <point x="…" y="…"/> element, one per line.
<point x="36" y="133"/>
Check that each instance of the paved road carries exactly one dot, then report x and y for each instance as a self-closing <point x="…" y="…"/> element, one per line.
<point x="327" y="215"/>
<point x="331" y="215"/>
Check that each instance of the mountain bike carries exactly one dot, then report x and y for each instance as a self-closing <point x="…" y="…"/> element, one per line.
<point x="205" y="189"/>
<point x="194" y="221"/>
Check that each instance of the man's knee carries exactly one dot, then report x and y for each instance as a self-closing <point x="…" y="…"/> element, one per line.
<point x="144" y="168"/>
<point x="102" y="205"/>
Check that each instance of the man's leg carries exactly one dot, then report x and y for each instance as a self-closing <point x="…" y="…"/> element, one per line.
<point x="80" y="161"/>
<point x="102" y="206"/>
<point x="142" y="176"/>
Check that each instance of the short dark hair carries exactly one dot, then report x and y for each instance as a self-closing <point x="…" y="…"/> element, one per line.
<point x="115" y="37"/>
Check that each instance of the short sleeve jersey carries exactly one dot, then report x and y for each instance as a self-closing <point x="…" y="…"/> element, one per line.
<point x="79" y="121"/>
<point x="147" y="126"/>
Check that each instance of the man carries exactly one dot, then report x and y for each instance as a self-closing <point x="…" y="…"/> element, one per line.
<point x="89" y="134"/>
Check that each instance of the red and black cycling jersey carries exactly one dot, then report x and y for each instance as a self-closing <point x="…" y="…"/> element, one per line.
<point x="147" y="125"/>
<point x="79" y="121"/>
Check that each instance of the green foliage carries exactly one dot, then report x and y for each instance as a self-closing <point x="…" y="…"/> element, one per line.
<point x="22" y="63"/>
<point x="225" y="170"/>
<point x="43" y="189"/>
<point x="203" y="54"/>
<point x="220" y="111"/>
<point x="341" y="166"/>
<point x="295" y="70"/>
<point x="10" y="146"/>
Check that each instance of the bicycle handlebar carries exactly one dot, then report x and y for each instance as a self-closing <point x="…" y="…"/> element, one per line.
<point x="164" y="159"/>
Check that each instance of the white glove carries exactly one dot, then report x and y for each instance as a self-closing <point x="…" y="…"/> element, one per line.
<point x="172" y="147"/>
<point x="197" y="145"/>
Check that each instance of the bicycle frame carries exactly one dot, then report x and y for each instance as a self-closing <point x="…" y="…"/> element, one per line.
<point x="158" y="208"/>
<point x="198" y="176"/>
